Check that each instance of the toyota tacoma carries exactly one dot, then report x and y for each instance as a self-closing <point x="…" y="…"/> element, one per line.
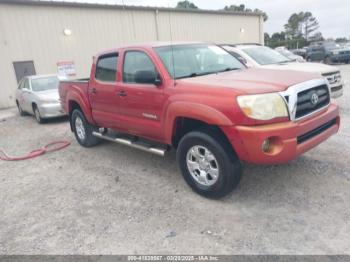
<point x="201" y="101"/>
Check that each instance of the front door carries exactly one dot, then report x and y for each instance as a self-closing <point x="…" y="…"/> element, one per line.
<point x="140" y="103"/>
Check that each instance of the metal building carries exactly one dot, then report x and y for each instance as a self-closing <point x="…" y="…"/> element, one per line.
<point x="36" y="37"/>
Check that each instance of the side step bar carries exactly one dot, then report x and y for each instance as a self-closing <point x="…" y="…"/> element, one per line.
<point x="128" y="142"/>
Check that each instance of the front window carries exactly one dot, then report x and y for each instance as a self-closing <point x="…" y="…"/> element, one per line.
<point x="184" y="61"/>
<point x="265" y="56"/>
<point x="45" y="83"/>
<point x="135" y="64"/>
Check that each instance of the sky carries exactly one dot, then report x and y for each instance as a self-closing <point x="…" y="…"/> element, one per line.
<point x="333" y="16"/>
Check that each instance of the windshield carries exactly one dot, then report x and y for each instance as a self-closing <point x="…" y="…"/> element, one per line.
<point x="285" y="52"/>
<point x="265" y="56"/>
<point x="331" y="45"/>
<point x="45" y="83"/>
<point x="184" y="61"/>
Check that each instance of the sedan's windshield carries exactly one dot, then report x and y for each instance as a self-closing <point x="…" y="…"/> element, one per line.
<point x="285" y="52"/>
<point x="184" y="61"/>
<point x="265" y="56"/>
<point x="45" y="83"/>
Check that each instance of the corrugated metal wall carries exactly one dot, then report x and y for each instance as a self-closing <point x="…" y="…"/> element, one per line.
<point x="31" y="32"/>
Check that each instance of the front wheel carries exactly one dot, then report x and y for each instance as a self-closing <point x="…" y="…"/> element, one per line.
<point x="83" y="130"/>
<point x="37" y="115"/>
<point x="207" y="164"/>
<point x="20" y="110"/>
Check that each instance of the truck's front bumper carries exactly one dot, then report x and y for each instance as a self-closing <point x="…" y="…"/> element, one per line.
<point x="287" y="140"/>
<point x="51" y="110"/>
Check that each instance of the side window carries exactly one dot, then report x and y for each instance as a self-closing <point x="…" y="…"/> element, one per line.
<point x="106" y="68"/>
<point x="136" y="65"/>
<point x="21" y="84"/>
<point x="25" y="84"/>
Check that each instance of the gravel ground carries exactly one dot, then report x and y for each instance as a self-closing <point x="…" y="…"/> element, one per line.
<point x="112" y="199"/>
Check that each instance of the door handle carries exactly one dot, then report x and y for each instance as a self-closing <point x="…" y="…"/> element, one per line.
<point x="94" y="90"/>
<point x="122" y="93"/>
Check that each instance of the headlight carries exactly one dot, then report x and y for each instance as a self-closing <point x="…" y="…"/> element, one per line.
<point x="264" y="106"/>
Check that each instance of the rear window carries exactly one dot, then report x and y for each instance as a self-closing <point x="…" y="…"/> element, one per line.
<point x="106" y="68"/>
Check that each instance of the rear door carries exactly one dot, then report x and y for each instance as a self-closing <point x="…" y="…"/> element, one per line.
<point x="102" y="91"/>
<point x="140" y="103"/>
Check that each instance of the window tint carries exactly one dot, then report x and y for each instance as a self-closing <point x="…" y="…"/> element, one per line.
<point x="134" y="63"/>
<point x="106" y="68"/>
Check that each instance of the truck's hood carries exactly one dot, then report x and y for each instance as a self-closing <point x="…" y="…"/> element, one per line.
<point x="305" y="67"/>
<point x="252" y="80"/>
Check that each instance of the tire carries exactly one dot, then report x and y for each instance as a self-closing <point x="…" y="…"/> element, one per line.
<point x="20" y="110"/>
<point x="37" y="115"/>
<point x="83" y="130"/>
<point x="225" y="164"/>
<point x="327" y="60"/>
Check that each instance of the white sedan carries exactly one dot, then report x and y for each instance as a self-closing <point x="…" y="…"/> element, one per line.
<point x="38" y="95"/>
<point x="254" y="55"/>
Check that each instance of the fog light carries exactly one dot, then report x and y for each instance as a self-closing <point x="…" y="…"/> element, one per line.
<point x="266" y="145"/>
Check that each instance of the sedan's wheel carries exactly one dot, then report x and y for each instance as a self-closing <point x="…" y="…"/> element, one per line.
<point x="37" y="115"/>
<point x="83" y="129"/>
<point x="208" y="163"/>
<point x="20" y="111"/>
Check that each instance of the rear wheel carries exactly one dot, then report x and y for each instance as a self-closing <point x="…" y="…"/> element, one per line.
<point x="20" y="111"/>
<point x="37" y="115"/>
<point x="83" y="130"/>
<point x="208" y="165"/>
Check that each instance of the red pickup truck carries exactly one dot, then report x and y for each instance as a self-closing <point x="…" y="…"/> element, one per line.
<point x="200" y="100"/>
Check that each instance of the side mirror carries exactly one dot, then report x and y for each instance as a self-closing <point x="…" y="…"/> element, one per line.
<point x="147" y="77"/>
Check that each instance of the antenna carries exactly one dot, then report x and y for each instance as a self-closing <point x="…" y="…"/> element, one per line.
<point x="171" y="45"/>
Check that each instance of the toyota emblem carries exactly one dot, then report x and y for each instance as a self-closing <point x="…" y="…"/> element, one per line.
<point x="314" y="99"/>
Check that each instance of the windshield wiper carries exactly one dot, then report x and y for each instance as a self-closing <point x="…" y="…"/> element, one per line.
<point x="194" y="74"/>
<point x="228" y="69"/>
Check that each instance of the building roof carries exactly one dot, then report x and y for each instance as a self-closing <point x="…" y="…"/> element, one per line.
<point x="124" y="7"/>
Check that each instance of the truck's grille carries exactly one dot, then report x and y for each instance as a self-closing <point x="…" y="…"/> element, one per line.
<point x="316" y="131"/>
<point x="333" y="78"/>
<point x="311" y="100"/>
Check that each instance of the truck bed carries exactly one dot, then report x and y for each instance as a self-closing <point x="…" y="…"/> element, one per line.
<point x="79" y="86"/>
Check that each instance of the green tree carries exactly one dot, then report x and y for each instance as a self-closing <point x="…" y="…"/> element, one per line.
<point x="301" y="24"/>
<point x="242" y="8"/>
<point x="186" y="5"/>
<point x="309" y="24"/>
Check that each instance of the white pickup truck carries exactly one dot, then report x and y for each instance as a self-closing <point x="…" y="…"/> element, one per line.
<point x="254" y="55"/>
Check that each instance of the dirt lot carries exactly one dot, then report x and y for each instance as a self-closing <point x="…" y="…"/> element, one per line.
<point x="112" y="199"/>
